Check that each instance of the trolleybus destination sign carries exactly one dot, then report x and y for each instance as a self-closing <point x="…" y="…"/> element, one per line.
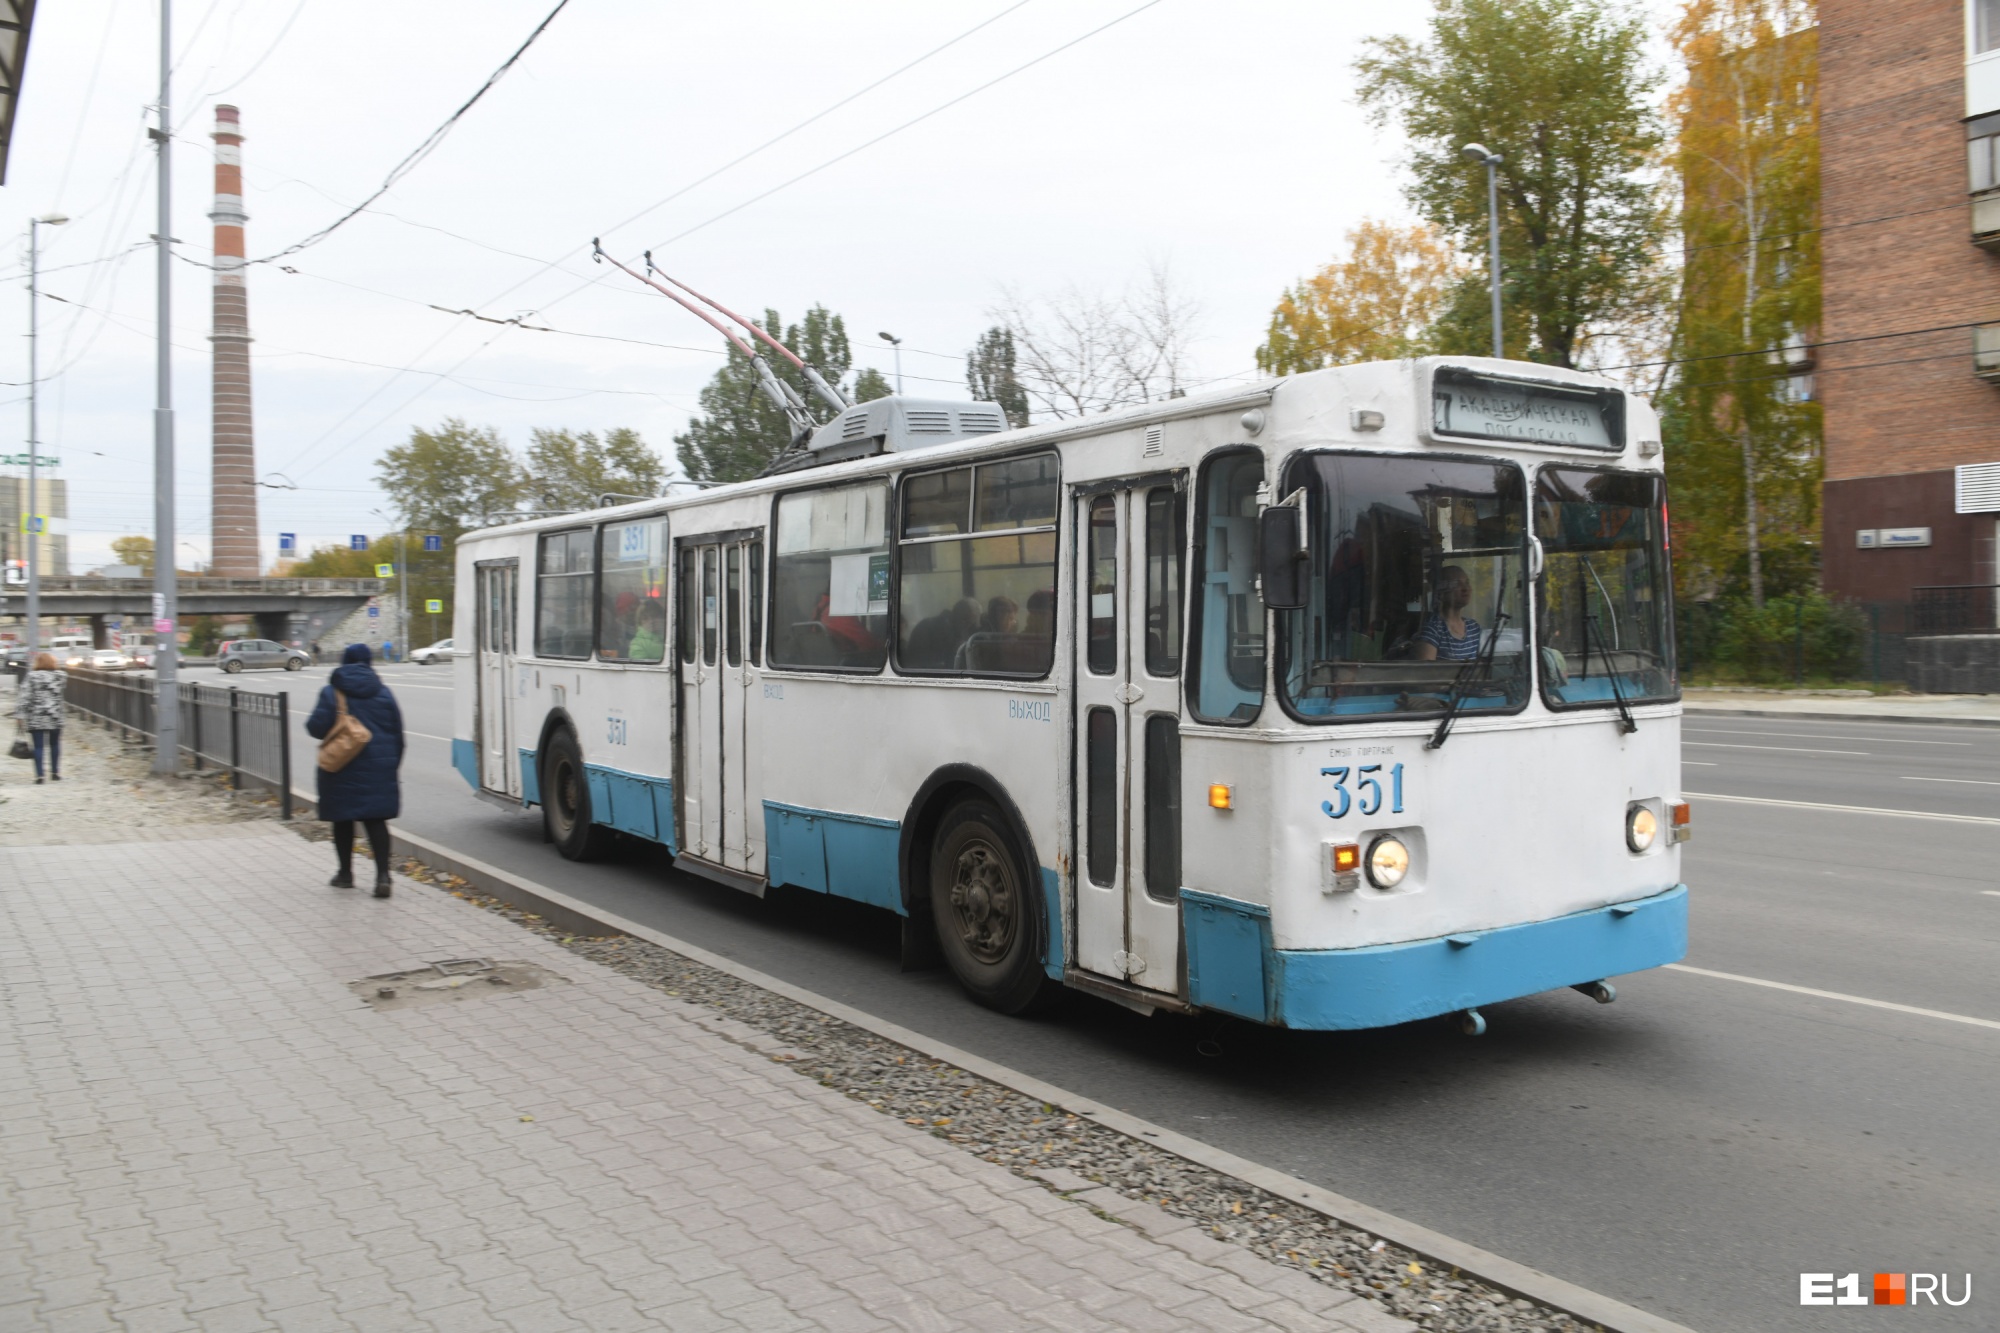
<point x="1488" y="407"/>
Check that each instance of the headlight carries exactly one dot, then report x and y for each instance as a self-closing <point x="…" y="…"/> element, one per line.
<point x="1388" y="862"/>
<point x="1642" y="827"/>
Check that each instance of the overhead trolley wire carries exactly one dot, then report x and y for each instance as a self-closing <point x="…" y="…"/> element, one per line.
<point x="424" y="149"/>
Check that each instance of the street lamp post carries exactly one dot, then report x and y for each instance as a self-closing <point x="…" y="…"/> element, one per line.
<point x="1477" y="152"/>
<point x="166" y="587"/>
<point x="35" y="522"/>
<point x="896" y="343"/>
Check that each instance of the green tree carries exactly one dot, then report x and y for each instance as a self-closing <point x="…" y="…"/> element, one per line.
<point x="571" y="469"/>
<point x="870" y="384"/>
<point x="453" y="478"/>
<point x="990" y="374"/>
<point x="134" y="550"/>
<point x="1375" y="305"/>
<point x="740" y="430"/>
<point x="1563" y="91"/>
<point x="1745" y="453"/>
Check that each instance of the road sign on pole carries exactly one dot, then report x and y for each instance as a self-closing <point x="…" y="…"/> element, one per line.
<point x="288" y="542"/>
<point x="385" y="571"/>
<point x="435" y="606"/>
<point x="433" y="542"/>
<point x="358" y="542"/>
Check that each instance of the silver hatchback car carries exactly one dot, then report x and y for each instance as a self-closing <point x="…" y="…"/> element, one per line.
<point x="249" y="654"/>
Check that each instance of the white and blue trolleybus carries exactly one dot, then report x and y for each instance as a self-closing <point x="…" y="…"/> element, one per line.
<point x="1338" y="702"/>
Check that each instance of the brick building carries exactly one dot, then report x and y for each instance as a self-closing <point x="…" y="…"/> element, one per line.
<point x="1910" y="180"/>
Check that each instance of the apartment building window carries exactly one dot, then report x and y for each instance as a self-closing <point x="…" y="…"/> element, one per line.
<point x="1985" y="25"/>
<point x="1982" y="150"/>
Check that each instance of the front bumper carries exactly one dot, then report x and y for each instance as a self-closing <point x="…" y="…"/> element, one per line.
<point x="1233" y="968"/>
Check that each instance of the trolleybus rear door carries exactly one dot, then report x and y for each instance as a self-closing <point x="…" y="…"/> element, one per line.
<point x="741" y="835"/>
<point x="493" y="705"/>
<point x="1129" y="608"/>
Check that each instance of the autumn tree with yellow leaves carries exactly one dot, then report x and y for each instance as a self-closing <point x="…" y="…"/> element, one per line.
<point x="1374" y="305"/>
<point x="1744" y="438"/>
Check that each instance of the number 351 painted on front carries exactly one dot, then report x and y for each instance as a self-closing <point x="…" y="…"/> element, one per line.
<point x="1369" y="788"/>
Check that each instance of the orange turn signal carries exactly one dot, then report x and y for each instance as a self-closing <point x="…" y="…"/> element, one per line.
<point x="1346" y="858"/>
<point x="1681" y="815"/>
<point x="1219" y="796"/>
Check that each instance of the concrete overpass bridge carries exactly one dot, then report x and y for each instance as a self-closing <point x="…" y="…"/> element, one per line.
<point x="282" y="609"/>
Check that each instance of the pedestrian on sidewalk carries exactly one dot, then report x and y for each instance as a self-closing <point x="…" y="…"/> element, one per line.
<point x="39" y="706"/>
<point x="365" y="791"/>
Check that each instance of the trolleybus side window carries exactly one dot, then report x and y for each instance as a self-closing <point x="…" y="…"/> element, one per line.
<point x="976" y="584"/>
<point x="1605" y="623"/>
<point x="1101" y="616"/>
<point x="563" y="601"/>
<point x="1228" y="628"/>
<point x="732" y="605"/>
<point x="1417" y="587"/>
<point x="756" y="603"/>
<point x="690" y="612"/>
<point x="1166" y="538"/>
<point x="830" y="578"/>
<point x="632" y="592"/>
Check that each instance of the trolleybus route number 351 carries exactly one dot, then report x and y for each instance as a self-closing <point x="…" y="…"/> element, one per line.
<point x="1367" y="786"/>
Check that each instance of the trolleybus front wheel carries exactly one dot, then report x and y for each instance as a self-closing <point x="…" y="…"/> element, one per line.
<point x="988" y="910"/>
<point x="566" y="801"/>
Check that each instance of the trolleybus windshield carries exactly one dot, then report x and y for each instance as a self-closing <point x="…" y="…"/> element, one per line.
<point x="1605" y="625"/>
<point x="1416" y="591"/>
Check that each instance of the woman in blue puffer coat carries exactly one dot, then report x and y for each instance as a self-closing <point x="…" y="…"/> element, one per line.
<point x="366" y="790"/>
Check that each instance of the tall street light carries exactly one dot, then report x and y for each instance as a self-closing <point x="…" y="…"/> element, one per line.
<point x="1477" y="152"/>
<point x="896" y="343"/>
<point x="36" y="523"/>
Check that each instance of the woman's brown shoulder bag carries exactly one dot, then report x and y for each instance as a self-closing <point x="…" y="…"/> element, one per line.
<point x="344" y="739"/>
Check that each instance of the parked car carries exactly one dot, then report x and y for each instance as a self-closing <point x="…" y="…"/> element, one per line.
<point x="109" y="659"/>
<point x="15" y="660"/>
<point x="234" y="655"/>
<point x="437" y="652"/>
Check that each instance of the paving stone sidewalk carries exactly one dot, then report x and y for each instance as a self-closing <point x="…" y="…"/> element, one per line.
<point x="202" y="1127"/>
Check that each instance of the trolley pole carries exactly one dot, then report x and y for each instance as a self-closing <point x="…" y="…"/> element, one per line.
<point x="1479" y="153"/>
<point x="166" y="722"/>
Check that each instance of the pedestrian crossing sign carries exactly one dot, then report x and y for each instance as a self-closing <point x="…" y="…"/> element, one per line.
<point x="385" y="571"/>
<point x="435" y="606"/>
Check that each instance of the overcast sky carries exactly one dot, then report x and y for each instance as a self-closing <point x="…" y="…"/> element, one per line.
<point x="1221" y="138"/>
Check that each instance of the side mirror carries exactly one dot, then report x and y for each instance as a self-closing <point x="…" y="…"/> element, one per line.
<point x="1281" y="556"/>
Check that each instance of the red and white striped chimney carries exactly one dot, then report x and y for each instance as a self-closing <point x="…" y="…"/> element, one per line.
<point x="234" y="503"/>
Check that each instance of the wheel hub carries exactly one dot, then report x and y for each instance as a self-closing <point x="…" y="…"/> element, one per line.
<point x="983" y="901"/>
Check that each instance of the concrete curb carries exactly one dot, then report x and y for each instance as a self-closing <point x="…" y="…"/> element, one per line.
<point x="1517" y="1279"/>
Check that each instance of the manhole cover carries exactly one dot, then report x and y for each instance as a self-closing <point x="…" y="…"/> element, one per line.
<point x="450" y="980"/>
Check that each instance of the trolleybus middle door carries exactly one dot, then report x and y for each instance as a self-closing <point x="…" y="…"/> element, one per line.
<point x="1128" y="609"/>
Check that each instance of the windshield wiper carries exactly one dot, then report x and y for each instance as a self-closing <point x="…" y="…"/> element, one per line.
<point x="1626" y="723"/>
<point x="1480" y="665"/>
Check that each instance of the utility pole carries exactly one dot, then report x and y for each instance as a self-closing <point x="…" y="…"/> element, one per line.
<point x="1478" y="153"/>
<point x="166" y="710"/>
<point x="36" y="522"/>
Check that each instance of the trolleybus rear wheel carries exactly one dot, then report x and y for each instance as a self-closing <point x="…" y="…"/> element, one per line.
<point x="566" y="801"/>
<point x="988" y="910"/>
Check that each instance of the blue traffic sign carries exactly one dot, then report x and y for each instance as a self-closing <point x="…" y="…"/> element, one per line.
<point x="287" y="542"/>
<point x="433" y="542"/>
<point x="358" y="542"/>
<point x="374" y="612"/>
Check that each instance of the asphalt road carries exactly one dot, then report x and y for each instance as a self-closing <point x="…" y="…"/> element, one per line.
<point x="1690" y="1150"/>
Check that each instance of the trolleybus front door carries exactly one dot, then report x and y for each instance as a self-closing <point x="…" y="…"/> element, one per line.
<point x="493" y="705"/>
<point x="721" y="625"/>
<point x="1128" y="646"/>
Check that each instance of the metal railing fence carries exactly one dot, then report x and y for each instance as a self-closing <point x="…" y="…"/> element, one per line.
<point x="1966" y="608"/>
<point x="246" y="733"/>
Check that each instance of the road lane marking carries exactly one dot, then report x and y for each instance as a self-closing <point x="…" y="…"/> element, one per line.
<point x="1788" y="749"/>
<point x="1837" y="995"/>
<point x="1991" y="893"/>
<point x="1971" y="782"/>
<point x="1698" y="763"/>
<point x="1841" y="809"/>
<point x="1816" y="736"/>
